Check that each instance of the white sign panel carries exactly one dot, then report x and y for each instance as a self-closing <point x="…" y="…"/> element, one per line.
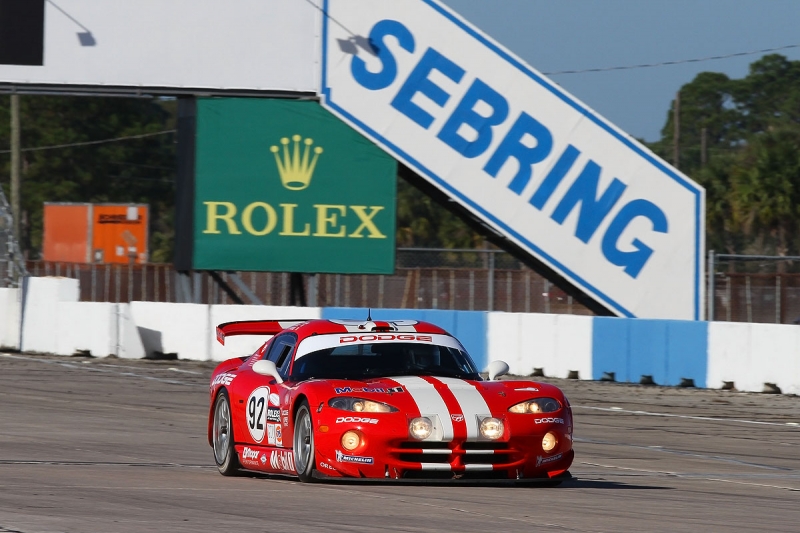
<point x="519" y="152"/>
<point x="188" y="44"/>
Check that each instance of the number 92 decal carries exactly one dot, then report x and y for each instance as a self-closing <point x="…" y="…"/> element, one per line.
<point x="257" y="412"/>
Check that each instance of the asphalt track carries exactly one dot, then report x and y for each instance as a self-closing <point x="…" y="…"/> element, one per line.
<point x="105" y="445"/>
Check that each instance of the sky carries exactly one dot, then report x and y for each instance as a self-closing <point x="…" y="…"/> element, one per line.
<point x="558" y="35"/>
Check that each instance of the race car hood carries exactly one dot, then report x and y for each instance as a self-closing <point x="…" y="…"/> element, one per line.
<point x="454" y="403"/>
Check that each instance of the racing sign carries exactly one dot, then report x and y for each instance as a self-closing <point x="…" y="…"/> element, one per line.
<point x="285" y="186"/>
<point x="520" y="153"/>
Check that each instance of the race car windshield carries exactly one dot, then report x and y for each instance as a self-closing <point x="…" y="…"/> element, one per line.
<point x="384" y="359"/>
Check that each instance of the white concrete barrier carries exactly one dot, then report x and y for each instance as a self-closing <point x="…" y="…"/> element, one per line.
<point x="40" y="313"/>
<point x="750" y="355"/>
<point x="86" y="326"/>
<point x="10" y="307"/>
<point x="129" y="340"/>
<point x="183" y="329"/>
<point x="556" y="343"/>
<point x="247" y="344"/>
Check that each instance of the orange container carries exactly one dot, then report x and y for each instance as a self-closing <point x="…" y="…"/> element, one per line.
<point x="95" y="233"/>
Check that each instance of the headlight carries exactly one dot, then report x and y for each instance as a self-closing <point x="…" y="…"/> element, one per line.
<point x="492" y="428"/>
<point x="420" y="428"/>
<point x="351" y="440"/>
<point x="539" y="405"/>
<point x="359" y="405"/>
<point x="549" y="441"/>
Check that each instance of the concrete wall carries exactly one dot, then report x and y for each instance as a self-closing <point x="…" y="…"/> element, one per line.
<point x="40" y="313"/>
<point x="669" y="351"/>
<point x="10" y="307"/>
<point x="558" y="344"/>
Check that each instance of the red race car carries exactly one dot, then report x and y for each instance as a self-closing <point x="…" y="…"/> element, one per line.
<point x="382" y="400"/>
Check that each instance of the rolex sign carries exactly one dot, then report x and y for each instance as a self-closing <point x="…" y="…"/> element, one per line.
<point x="285" y="186"/>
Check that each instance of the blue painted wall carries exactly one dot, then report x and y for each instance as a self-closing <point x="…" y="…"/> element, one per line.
<point x="469" y="327"/>
<point x="668" y="350"/>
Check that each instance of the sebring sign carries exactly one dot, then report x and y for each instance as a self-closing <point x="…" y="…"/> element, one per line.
<point x="512" y="147"/>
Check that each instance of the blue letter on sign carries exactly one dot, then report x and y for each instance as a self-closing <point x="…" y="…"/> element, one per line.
<point x="554" y="177"/>
<point x="511" y="146"/>
<point x="418" y="82"/>
<point x="465" y="114"/>
<point x="632" y="261"/>
<point x="593" y="210"/>
<point x="375" y="81"/>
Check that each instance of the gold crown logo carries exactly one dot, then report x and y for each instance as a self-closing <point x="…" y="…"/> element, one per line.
<point x="296" y="170"/>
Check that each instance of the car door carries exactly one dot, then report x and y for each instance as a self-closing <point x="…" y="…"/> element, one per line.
<point x="267" y="418"/>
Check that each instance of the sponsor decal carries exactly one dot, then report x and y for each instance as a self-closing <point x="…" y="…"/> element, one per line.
<point x="544" y="460"/>
<point x="223" y="379"/>
<point x="263" y="459"/>
<point x="285" y="412"/>
<point x="342" y="458"/>
<point x="274" y="399"/>
<point x="549" y="420"/>
<point x="286" y="421"/>
<point x="271" y="433"/>
<point x="249" y="453"/>
<point x="257" y="413"/>
<point x="356" y="419"/>
<point x="382" y="390"/>
<point x="384" y="337"/>
<point x="325" y="466"/>
<point x="273" y="414"/>
<point x="278" y="436"/>
<point x="457" y="418"/>
<point x="282" y="460"/>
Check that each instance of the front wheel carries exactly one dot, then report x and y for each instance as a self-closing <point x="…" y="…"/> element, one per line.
<point x="304" y="454"/>
<point x="224" y="452"/>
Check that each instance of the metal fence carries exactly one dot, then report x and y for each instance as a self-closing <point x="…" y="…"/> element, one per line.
<point x="762" y="289"/>
<point x="754" y="288"/>
<point x="11" y="265"/>
<point x="423" y="279"/>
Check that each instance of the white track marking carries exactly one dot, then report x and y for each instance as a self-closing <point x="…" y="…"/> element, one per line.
<point x="687" y="417"/>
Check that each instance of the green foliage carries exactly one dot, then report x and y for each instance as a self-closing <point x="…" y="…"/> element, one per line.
<point x="752" y="170"/>
<point x="133" y="170"/>
<point x="421" y="222"/>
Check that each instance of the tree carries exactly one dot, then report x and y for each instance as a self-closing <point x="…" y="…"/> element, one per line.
<point x="133" y="170"/>
<point x="752" y="177"/>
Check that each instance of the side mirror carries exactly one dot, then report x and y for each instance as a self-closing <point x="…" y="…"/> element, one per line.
<point x="268" y="368"/>
<point x="497" y="369"/>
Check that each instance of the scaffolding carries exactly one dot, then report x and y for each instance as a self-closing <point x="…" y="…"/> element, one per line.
<point x="12" y="266"/>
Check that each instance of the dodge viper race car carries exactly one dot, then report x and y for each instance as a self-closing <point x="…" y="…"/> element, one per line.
<point x="381" y="400"/>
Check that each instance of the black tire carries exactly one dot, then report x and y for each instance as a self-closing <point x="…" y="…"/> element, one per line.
<point x="222" y="437"/>
<point x="305" y="456"/>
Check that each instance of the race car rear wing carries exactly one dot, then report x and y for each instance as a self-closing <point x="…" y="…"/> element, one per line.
<point x="253" y="327"/>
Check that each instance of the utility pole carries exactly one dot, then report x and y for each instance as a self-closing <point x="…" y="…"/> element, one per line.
<point x="16" y="212"/>
<point x="676" y="131"/>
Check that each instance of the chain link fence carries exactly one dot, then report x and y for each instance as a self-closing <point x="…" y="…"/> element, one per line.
<point x="424" y="279"/>
<point x="11" y="266"/>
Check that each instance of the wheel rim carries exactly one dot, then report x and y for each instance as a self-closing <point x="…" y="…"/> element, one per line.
<point x="303" y="442"/>
<point x="222" y="431"/>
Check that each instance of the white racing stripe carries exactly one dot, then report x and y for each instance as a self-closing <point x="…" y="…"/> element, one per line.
<point x="473" y="405"/>
<point x="436" y="466"/>
<point x="429" y="402"/>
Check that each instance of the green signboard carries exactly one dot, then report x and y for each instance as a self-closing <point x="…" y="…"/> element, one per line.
<point x="286" y="186"/>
